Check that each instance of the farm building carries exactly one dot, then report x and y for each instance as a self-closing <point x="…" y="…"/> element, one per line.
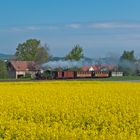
<point x="17" y="69"/>
<point x="99" y="68"/>
<point x="89" y="68"/>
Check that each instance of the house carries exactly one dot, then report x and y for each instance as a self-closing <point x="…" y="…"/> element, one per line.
<point x="17" y="69"/>
<point x="108" y="67"/>
<point x="90" y="68"/>
<point x="102" y="67"/>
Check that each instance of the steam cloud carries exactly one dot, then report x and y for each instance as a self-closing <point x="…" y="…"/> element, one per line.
<point x="67" y="64"/>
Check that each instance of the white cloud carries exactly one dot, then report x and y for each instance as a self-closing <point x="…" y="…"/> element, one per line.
<point x="32" y="28"/>
<point x="74" y="26"/>
<point x="16" y="29"/>
<point x="113" y="25"/>
<point x="52" y="28"/>
<point x="104" y="25"/>
<point x="22" y="29"/>
<point x="80" y="26"/>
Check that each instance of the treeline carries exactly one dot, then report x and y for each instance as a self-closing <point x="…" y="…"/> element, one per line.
<point x="34" y="50"/>
<point x="129" y="64"/>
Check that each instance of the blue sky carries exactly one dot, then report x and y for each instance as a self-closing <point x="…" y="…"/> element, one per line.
<point x="101" y="27"/>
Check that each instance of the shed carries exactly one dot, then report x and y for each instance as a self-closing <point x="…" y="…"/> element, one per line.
<point x="17" y="69"/>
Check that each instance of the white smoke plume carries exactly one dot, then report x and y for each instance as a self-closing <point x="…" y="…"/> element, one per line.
<point x="67" y="64"/>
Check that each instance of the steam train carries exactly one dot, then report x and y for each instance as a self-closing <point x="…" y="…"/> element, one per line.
<point x="48" y="74"/>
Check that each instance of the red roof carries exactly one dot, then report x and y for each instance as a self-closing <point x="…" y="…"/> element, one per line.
<point x="109" y="67"/>
<point x="98" y="67"/>
<point x="24" y="65"/>
<point x="86" y="68"/>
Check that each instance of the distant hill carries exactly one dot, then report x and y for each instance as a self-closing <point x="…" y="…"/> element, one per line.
<point x="56" y="58"/>
<point x="106" y="60"/>
<point x="5" y="56"/>
<point x="63" y="58"/>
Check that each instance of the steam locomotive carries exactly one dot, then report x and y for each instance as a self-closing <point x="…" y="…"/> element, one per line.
<point x="48" y="74"/>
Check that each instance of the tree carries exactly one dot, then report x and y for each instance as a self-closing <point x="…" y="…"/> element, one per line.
<point x="3" y="70"/>
<point x="75" y="54"/>
<point x="128" y="55"/>
<point x="31" y="50"/>
<point x="43" y="54"/>
<point x="127" y="64"/>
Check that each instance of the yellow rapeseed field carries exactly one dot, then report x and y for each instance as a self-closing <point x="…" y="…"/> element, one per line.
<point x="69" y="110"/>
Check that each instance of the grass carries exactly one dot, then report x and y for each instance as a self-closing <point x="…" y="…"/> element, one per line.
<point x="123" y="78"/>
